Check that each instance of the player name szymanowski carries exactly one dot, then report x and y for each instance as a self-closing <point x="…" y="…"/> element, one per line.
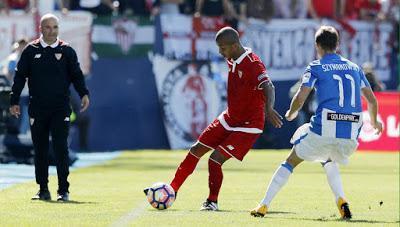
<point x="330" y="67"/>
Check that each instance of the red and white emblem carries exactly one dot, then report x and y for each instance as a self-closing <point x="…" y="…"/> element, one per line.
<point x="240" y="73"/>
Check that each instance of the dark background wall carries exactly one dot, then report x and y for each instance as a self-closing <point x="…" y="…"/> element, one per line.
<point x="124" y="111"/>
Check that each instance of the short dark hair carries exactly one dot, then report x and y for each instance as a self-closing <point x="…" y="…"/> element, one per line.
<point x="227" y="35"/>
<point x="327" y="37"/>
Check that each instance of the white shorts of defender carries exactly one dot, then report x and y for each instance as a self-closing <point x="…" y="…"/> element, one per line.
<point x="313" y="147"/>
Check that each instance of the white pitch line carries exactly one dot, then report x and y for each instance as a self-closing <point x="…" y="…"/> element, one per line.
<point x="129" y="217"/>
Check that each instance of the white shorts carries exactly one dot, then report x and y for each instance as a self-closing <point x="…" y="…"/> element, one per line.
<point x="313" y="147"/>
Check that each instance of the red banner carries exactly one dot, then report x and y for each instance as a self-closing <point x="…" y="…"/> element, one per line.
<point x="389" y="116"/>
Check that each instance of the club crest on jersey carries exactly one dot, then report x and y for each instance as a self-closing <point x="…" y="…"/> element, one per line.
<point x="58" y="56"/>
<point x="240" y="73"/>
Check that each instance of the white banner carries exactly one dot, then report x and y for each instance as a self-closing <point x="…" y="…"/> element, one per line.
<point x="184" y="36"/>
<point x="75" y="29"/>
<point x="192" y="94"/>
<point x="285" y="46"/>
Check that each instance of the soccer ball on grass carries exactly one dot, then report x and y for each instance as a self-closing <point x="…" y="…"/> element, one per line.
<point x="160" y="195"/>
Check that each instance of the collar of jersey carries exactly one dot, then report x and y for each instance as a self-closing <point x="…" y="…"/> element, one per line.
<point x="44" y="45"/>
<point x="240" y="59"/>
<point x="331" y="55"/>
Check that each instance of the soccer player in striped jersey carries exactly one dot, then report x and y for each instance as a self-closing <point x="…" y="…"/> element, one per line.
<point x="331" y="136"/>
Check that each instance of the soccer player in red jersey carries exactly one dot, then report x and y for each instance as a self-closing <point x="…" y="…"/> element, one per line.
<point x="251" y="96"/>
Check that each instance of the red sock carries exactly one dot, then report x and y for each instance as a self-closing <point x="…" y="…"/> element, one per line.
<point x="214" y="179"/>
<point x="184" y="170"/>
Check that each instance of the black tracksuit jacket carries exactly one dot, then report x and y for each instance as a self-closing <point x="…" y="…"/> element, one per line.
<point x="50" y="72"/>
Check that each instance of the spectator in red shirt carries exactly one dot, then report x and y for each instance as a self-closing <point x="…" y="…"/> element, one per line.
<point x="18" y="4"/>
<point x="349" y="9"/>
<point x="8" y="5"/>
<point x="331" y="9"/>
<point x="368" y="9"/>
<point x="323" y="9"/>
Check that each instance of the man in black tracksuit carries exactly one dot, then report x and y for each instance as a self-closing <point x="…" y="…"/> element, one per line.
<point x="50" y="66"/>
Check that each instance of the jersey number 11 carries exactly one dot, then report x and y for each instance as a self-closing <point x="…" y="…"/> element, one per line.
<point x="341" y="92"/>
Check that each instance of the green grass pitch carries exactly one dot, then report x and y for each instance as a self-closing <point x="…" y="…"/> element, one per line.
<point x="111" y="194"/>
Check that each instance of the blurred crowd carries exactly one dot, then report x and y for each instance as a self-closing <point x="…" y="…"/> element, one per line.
<point x="232" y="10"/>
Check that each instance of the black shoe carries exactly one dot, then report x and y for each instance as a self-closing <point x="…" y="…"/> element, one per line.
<point x="42" y="194"/>
<point x="146" y="190"/>
<point x="344" y="208"/>
<point x="63" y="197"/>
<point x="346" y="211"/>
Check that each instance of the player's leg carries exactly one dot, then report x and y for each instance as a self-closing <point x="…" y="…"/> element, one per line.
<point x="335" y="182"/>
<point x="278" y="180"/>
<point x="59" y="128"/>
<point x="300" y="146"/>
<point x="40" y="139"/>
<point x="339" y="154"/>
<point x="208" y="140"/>
<point x="188" y="165"/>
<point x="215" y="178"/>
<point x="236" y="144"/>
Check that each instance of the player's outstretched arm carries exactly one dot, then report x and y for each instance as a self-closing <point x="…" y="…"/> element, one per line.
<point x="272" y="115"/>
<point x="297" y="102"/>
<point x="372" y="108"/>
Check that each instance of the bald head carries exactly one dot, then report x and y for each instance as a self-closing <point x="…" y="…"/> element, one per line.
<point x="47" y="17"/>
<point x="49" y="28"/>
<point x="228" y="43"/>
<point x="227" y="35"/>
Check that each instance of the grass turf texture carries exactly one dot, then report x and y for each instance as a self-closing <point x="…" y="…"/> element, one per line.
<point x="111" y="194"/>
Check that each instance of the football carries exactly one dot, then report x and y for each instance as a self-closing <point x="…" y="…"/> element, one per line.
<point x="161" y="195"/>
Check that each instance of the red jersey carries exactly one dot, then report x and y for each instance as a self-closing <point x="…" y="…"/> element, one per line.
<point x="246" y="99"/>
<point x="324" y="8"/>
<point x="18" y="4"/>
<point x="373" y="7"/>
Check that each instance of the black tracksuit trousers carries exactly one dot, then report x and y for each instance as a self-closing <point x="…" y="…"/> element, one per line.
<point x="56" y="124"/>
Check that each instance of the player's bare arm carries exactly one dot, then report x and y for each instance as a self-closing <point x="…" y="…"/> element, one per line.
<point x="272" y="115"/>
<point x="372" y="108"/>
<point x="297" y="102"/>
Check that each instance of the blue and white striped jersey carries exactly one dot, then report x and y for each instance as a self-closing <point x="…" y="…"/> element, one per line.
<point x="338" y="84"/>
